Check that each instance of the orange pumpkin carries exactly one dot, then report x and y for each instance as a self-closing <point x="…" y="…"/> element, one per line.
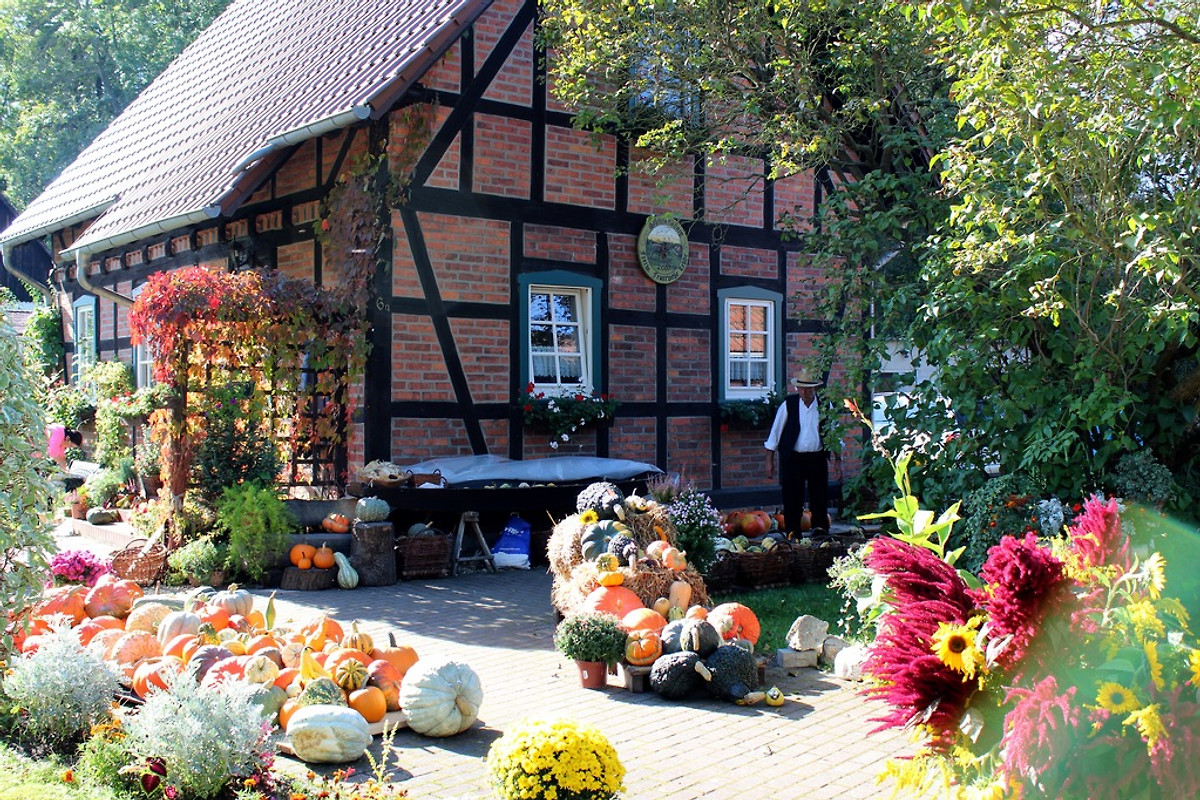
<point x="327" y="626"/>
<point x="263" y="640"/>
<point x="387" y="679"/>
<point x="152" y="674"/>
<point x="697" y="612"/>
<point x="735" y="621"/>
<point x="286" y="676"/>
<point x="93" y="626"/>
<point x="643" y="619"/>
<point x="69" y="601"/>
<point x="133" y="646"/>
<point x="215" y="616"/>
<point x="615" y="600"/>
<point x="227" y="669"/>
<point x="103" y="641"/>
<point x="336" y="523"/>
<point x="289" y="707"/>
<point x="401" y="657"/>
<point x="341" y="655"/>
<point x="256" y="620"/>
<point x="369" y="701"/>
<point x="178" y="644"/>
<point x="304" y="563"/>
<point x="301" y="552"/>
<point x="111" y="597"/>
<point x="674" y="559"/>
<point x="642" y="647"/>
<point x="323" y="559"/>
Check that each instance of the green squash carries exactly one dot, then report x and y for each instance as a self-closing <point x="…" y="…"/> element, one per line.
<point x="321" y="691"/>
<point x="372" y="509"/>
<point x="596" y="538"/>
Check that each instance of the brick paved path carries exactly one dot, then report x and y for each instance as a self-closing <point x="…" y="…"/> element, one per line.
<point x="502" y="626"/>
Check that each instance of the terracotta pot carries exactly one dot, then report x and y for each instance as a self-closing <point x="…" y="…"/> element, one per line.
<point x="592" y="674"/>
<point x="78" y="511"/>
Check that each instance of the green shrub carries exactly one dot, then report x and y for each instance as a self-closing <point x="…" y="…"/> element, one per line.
<point x="258" y="523"/>
<point x="109" y="378"/>
<point x="236" y="447"/>
<point x="69" y="405"/>
<point x="1004" y="505"/>
<point x="1139" y="477"/>
<point x="199" y="559"/>
<point x="102" y="487"/>
<point x="61" y="691"/>
<point x="44" y="338"/>
<point x="26" y="495"/>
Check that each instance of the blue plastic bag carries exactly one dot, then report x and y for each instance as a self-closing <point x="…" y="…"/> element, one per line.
<point x="512" y="550"/>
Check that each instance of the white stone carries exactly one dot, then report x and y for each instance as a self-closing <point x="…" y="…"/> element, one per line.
<point x="831" y="647"/>
<point x="791" y="659"/>
<point x="807" y="633"/>
<point x="849" y="662"/>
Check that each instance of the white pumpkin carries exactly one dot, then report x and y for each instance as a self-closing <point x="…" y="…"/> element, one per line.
<point x="440" y="698"/>
<point x="328" y="734"/>
<point x="176" y="623"/>
<point x="147" y="617"/>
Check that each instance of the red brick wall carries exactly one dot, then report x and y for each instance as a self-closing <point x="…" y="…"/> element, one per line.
<point x="743" y="458"/>
<point x="660" y="191"/>
<point x="418" y="368"/>
<point x="445" y="74"/>
<point x="300" y="171"/>
<point x="689" y="449"/>
<point x="689" y="294"/>
<point x="296" y="261"/>
<point x="421" y="439"/>
<point x="404" y="270"/>
<point x="483" y="344"/>
<point x="632" y="351"/>
<point x="470" y="257"/>
<point x="634" y="438"/>
<point x="805" y="287"/>
<point x="553" y="243"/>
<point x="514" y="83"/>
<point x="445" y="174"/>
<point x="794" y="196"/>
<point x="628" y="287"/>
<point x="576" y="172"/>
<point x="537" y="444"/>
<point x="689" y="368"/>
<point x="749" y="262"/>
<point x="729" y="195"/>
<point x="502" y="156"/>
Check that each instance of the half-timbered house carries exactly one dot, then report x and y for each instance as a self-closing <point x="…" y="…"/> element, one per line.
<point x="502" y="222"/>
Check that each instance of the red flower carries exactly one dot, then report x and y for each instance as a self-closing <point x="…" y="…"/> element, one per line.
<point x="1096" y="536"/>
<point x="1041" y="733"/>
<point x="1021" y="578"/>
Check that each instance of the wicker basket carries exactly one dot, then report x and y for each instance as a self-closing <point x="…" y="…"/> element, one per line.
<point x="426" y="556"/>
<point x="142" y="561"/>
<point x="722" y="573"/>
<point x="760" y="570"/>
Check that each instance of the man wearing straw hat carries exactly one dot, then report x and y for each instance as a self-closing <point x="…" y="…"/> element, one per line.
<point x="803" y="459"/>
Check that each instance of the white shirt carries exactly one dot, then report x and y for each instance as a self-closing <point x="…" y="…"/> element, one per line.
<point x="809" y="440"/>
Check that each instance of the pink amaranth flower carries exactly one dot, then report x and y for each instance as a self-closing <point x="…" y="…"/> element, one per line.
<point x="1096" y="536"/>
<point x="1041" y="734"/>
<point x="1021" y="578"/>
<point x="921" y="689"/>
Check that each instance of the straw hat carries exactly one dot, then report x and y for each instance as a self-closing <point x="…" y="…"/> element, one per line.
<point x="804" y="381"/>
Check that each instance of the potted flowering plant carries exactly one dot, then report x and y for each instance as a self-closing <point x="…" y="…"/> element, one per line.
<point x="78" y="566"/>
<point x="564" y="414"/>
<point x="555" y="758"/>
<point x="594" y="641"/>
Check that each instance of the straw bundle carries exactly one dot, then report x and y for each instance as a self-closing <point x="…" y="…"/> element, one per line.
<point x="563" y="549"/>
<point x="651" y="580"/>
<point x="642" y="525"/>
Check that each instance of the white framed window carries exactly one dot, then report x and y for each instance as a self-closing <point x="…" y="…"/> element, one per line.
<point x="750" y="347"/>
<point x="143" y="358"/>
<point x="85" y="336"/>
<point x="560" y="336"/>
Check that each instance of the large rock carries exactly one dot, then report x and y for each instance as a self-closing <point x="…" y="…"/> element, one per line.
<point x="849" y="662"/>
<point x="807" y="633"/>
<point x="831" y="647"/>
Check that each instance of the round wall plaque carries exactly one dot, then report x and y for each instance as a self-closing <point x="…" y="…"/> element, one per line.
<point x="663" y="249"/>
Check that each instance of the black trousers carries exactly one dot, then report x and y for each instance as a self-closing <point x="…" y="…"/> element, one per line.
<point x="805" y="476"/>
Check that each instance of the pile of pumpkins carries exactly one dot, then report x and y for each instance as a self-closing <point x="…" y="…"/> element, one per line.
<point x="322" y="684"/>
<point x="712" y="649"/>
<point x="305" y="556"/>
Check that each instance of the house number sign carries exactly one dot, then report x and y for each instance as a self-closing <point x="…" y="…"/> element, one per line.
<point x="663" y="249"/>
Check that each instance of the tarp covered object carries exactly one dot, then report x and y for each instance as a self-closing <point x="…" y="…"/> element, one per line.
<point x="490" y="469"/>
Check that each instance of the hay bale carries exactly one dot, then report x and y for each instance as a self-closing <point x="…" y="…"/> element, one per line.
<point x="642" y="525"/>
<point x="650" y="580"/>
<point x="568" y="592"/>
<point x="564" y="548"/>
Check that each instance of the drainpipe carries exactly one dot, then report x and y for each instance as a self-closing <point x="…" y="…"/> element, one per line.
<point x="6" y="250"/>
<point x="305" y="132"/>
<point x="81" y="255"/>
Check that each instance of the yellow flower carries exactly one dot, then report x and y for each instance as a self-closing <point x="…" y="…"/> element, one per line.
<point x="1115" y="698"/>
<point x="955" y="646"/>
<point x="1148" y="723"/>
<point x="1194" y="663"/>
<point x="1156" y="579"/>
<point x="589" y="517"/>
<point x="1156" y="669"/>
<point x="1144" y="617"/>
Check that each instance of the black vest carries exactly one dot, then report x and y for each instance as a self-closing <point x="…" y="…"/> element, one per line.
<point x="791" y="426"/>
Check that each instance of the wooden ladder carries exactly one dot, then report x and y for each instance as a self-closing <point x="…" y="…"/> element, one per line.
<point x="485" y="553"/>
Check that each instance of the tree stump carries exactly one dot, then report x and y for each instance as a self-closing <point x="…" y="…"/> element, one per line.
<point x="308" y="580"/>
<point x="373" y="553"/>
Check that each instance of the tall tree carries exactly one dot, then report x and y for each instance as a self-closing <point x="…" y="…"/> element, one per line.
<point x="68" y="67"/>
<point x="1064" y="298"/>
<point x="842" y="87"/>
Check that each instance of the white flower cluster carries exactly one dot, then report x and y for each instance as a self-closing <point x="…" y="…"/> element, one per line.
<point x="205" y="737"/>
<point x="62" y="689"/>
<point x="692" y="512"/>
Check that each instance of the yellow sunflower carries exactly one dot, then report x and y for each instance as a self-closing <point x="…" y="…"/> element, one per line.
<point x="1194" y="663"/>
<point x="955" y="645"/>
<point x="1115" y="698"/>
<point x="589" y="517"/>
<point x="1156" y="668"/>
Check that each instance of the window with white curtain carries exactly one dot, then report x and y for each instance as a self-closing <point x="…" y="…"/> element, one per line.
<point x="750" y="347"/>
<point x="560" y="338"/>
